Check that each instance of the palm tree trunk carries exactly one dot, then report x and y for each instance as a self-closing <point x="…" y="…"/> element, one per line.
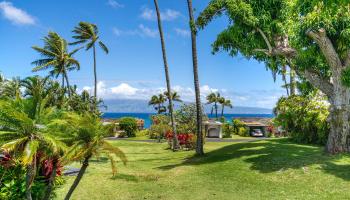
<point x="95" y="73"/>
<point x="30" y="175"/>
<point x="199" y="147"/>
<point x="222" y="110"/>
<point x="51" y="180"/>
<point x="216" y="110"/>
<point x="78" y="178"/>
<point x="292" y="83"/>
<point x="167" y="78"/>
<point x="68" y="86"/>
<point x="62" y="80"/>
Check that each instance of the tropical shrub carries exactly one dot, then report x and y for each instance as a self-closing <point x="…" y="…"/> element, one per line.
<point x="227" y="130"/>
<point x="236" y="124"/>
<point x="185" y="118"/>
<point x="129" y="125"/>
<point x="303" y="118"/>
<point x="186" y="140"/>
<point x="243" y="131"/>
<point x="158" y="131"/>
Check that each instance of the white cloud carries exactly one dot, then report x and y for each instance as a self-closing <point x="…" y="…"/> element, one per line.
<point x="142" y="31"/>
<point x="182" y="32"/>
<point x="15" y="15"/>
<point x="168" y="15"/>
<point x="124" y="89"/>
<point x="146" y="31"/>
<point x="252" y="98"/>
<point x="115" y="4"/>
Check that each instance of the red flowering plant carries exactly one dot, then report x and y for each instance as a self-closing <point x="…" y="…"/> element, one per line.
<point x="186" y="140"/>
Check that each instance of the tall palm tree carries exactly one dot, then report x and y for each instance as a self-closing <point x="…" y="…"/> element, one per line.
<point x="157" y="102"/>
<point x="214" y="98"/>
<point x="55" y="56"/>
<point x="199" y="146"/>
<point x="87" y="134"/>
<point x="224" y="103"/>
<point x="88" y="33"/>
<point x="167" y="77"/>
<point x="25" y="132"/>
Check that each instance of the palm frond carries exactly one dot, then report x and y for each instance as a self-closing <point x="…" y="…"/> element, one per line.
<point x="103" y="47"/>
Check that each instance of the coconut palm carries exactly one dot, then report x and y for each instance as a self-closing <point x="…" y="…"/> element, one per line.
<point x="55" y="56"/>
<point x="12" y="88"/>
<point x="88" y="33"/>
<point x="87" y="134"/>
<point x="224" y="103"/>
<point x="157" y="101"/>
<point x="214" y="98"/>
<point x="199" y="146"/>
<point x="25" y="132"/>
<point x="167" y="78"/>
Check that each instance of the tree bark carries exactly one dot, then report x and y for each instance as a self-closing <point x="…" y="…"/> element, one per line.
<point x="51" y="179"/>
<point x="292" y="82"/>
<point x="339" y="137"/>
<point x="199" y="146"/>
<point x="167" y="78"/>
<point x="222" y="110"/>
<point x="68" y="85"/>
<point x="29" y="179"/>
<point x="78" y="178"/>
<point x="95" y="72"/>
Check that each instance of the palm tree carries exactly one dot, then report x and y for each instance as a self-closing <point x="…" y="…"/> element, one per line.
<point x="213" y="98"/>
<point x="88" y="33"/>
<point x="167" y="77"/>
<point x="224" y="103"/>
<point x="157" y="102"/>
<point x="56" y="58"/>
<point x="199" y="146"/>
<point x="25" y="132"/>
<point x="88" y="138"/>
<point x="12" y="88"/>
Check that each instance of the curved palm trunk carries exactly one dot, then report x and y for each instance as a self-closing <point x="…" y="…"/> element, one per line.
<point x="51" y="180"/>
<point x="95" y="73"/>
<point x="62" y="81"/>
<point x="199" y="147"/>
<point x="166" y="69"/>
<point x="78" y="178"/>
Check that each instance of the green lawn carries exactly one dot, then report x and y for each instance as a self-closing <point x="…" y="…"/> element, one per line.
<point x="274" y="169"/>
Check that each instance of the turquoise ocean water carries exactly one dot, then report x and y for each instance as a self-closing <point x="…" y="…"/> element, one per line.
<point x="146" y="116"/>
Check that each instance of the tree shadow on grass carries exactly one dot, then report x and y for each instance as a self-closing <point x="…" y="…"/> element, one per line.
<point x="126" y="177"/>
<point x="271" y="156"/>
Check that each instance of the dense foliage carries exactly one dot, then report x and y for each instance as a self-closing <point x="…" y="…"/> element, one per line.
<point x="129" y="125"/>
<point x="304" y="119"/>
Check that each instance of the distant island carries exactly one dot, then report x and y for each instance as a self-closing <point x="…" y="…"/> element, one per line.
<point x="141" y="106"/>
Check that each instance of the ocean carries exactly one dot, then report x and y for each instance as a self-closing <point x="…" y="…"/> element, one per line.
<point x="146" y="116"/>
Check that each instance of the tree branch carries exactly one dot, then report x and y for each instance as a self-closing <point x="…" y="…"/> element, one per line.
<point x="266" y="40"/>
<point x="327" y="48"/>
<point x="318" y="81"/>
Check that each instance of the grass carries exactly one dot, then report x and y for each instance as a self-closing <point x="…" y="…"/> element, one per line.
<point x="273" y="169"/>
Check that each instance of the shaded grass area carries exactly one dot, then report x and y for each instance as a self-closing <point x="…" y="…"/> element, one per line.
<point x="272" y="169"/>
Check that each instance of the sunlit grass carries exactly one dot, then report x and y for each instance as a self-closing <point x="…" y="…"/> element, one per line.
<point x="274" y="169"/>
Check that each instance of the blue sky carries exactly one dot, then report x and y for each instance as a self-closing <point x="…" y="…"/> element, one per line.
<point x="133" y="68"/>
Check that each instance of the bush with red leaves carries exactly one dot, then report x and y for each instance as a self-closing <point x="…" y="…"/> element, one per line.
<point x="186" y="140"/>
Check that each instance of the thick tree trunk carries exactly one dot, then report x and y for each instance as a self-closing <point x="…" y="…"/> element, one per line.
<point x="78" y="178"/>
<point x="339" y="136"/>
<point x="175" y="144"/>
<point x="51" y="180"/>
<point x="29" y="179"/>
<point x="199" y="147"/>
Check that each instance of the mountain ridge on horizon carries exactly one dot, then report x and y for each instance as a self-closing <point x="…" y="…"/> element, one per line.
<point x="141" y="106"/>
